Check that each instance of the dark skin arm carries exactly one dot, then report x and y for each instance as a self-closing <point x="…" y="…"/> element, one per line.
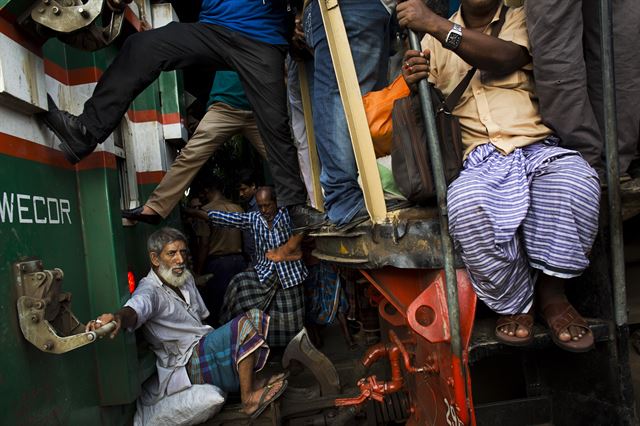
<point x="125" y="317"/>
<point x="483" y="51"/>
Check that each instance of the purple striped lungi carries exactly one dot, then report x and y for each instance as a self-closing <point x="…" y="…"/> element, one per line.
<point x="511" y="216"/>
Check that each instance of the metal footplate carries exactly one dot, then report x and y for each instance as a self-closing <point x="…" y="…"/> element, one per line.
<point x="408" y="238"/>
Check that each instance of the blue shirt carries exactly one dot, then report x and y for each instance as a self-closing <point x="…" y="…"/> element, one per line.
<point x="226" y="88"/>
<point x="261" y="20"/>
<point x="265" y="238"/>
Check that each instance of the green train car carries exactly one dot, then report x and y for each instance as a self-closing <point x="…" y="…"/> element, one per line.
<point x="66" y="217"/>
<point x="66" y="256"/>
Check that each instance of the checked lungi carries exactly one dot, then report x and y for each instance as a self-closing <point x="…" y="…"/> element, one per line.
<point x="324" y="294"/>
<point x="511" y="216"/>
<point x="216" y="357"/>
<point x="284" y="306"/>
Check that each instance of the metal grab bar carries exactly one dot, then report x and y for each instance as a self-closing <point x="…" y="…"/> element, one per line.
<point x="44" y="311"/>
<point x="441" y="195"/>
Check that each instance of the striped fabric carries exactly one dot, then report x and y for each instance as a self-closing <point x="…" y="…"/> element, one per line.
<point x="289" y="273"/>
<point x="511" y="216"/>
<point x="216" y="357"/>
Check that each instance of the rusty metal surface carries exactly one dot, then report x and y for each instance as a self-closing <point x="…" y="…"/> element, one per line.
<point x="441" y="395"/>
<point x="408" y="238"/>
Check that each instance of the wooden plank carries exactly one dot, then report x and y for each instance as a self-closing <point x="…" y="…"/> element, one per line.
<point x="354" y="109"/>
<point x="311" y="138"/>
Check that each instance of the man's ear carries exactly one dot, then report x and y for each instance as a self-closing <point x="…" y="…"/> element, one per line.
<point x="155" y="259"/>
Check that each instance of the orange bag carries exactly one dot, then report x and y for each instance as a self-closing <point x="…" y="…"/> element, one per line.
<point x="378" y="106"/>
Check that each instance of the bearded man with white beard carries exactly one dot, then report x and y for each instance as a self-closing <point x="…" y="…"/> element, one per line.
<point x="168" y="306"/>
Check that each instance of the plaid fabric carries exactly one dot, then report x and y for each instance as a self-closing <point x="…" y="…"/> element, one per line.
<point x="289" y="273"/>
<point x="216" y="357"/>
<point x="324" y="294"/>
<point x="285" y="306"/>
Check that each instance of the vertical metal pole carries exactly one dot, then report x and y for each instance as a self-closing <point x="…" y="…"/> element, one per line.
<point x="441" y="194"/>
<point x="610" y="133"/>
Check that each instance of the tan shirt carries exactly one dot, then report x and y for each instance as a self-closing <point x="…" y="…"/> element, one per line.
<point x="502" y="111"/>
<point x="222" y="241"/>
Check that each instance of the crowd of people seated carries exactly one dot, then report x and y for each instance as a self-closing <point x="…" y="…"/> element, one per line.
<point x="523" y="211"/>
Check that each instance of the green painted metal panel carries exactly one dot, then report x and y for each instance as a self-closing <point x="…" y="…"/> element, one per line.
<point x="40" y="388"/>
<point x="107" y="275"/>
<point x="14" y="7"/>
<point x="70" y="58"/>
<point x="171" y="91"/>
<point x="148" y="99"/>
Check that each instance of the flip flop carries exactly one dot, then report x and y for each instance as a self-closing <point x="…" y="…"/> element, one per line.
<point x="263" y="403"/>
<point x="520" y="321"/>
<point x="277" y="378"/>
<point x="561" y="316"/>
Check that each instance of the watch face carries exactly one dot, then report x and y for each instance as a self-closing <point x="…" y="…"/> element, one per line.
<point x="454" y="39"/>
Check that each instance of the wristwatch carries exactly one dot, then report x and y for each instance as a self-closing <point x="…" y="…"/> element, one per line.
<point x="454" y="37"/>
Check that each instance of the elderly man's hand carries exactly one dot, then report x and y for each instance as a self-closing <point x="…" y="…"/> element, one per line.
<point x="415" y="67"/>
<point x="102" y="320"/>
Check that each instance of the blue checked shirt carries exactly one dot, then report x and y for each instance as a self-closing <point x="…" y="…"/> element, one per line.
<point x="289" y="273"/>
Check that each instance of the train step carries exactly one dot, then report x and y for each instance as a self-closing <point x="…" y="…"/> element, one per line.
<point x="484" y="342"/>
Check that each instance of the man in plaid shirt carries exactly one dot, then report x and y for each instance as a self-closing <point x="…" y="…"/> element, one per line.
<point x="273" y="287"/>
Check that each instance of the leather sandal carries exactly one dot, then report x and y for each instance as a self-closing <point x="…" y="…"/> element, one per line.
<point x="561" y="316"/>
<point x="518" y="321"/>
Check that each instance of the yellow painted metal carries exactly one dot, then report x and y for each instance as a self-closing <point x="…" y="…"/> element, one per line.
<point x="311" y="138"/>
<point x="354" y="109"/>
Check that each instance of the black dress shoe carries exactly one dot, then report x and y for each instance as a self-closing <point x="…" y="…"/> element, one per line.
<point x="75" y="140"/>
<point x="304" y="217"/>
<point x="136" y="214"/>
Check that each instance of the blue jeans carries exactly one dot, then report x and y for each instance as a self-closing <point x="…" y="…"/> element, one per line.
<point x="367" y="25"/>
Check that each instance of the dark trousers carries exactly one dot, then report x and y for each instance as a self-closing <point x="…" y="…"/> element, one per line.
<point x="223" y="268"/>
<point x="179" y="45"/>
<point x="565" y="45"/>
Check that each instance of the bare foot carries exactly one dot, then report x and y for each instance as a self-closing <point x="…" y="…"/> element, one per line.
<point x="262" y="382"/>
<point x="569" y="330"/>
<point x="260" y="398"/>
<point x="515" y="330"/>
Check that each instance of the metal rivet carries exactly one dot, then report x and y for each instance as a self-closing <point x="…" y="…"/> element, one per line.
<point x="34" y="319"/>
<point x="84" y="13"/>
<point x="47" y="2"/>
<point x="48" y="346"/>
<point x="56" y="10"/>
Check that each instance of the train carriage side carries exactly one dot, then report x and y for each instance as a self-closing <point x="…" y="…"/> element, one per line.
<point x="54" y="215"/>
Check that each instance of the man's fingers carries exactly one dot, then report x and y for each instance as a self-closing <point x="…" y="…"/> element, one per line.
<point x="118" y="325"/>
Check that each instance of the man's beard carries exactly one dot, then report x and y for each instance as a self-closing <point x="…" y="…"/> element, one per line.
<point x="166" y="274"/>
